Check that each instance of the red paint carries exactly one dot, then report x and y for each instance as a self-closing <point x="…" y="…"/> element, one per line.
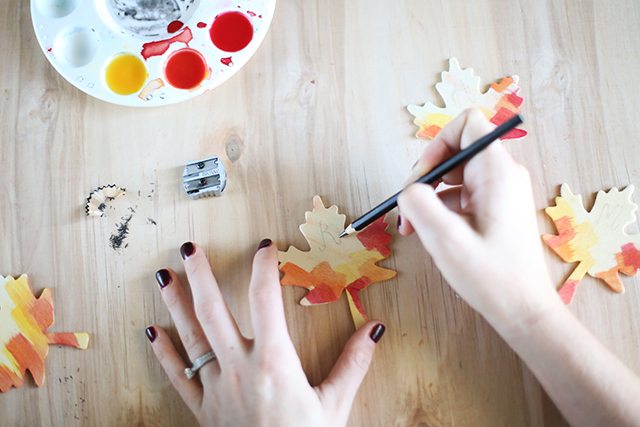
<point x="174" y="27"/>
<point x="201" y="25"/>
<point x="502" y="115"/>
<point x="568" y="290"/>
<point x="374" y="237"/>
<point x="161" y="46"/>
<point x="185" y="69"/>
<point x="231" y="31"/>
<point x="227" y="61"/>
<point x="631" y="255"/>
<point x="50" y="50"/>
<point x="251" y="13"/>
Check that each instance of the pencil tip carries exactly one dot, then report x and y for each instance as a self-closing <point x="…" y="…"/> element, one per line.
<point x="344" y="233"/>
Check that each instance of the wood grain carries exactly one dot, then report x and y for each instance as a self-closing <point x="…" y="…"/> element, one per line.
<point x="318" y="110"/>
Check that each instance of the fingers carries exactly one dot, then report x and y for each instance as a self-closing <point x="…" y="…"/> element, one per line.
<point x="180" y="306"/>
<point x="189" y="390"/>
<point x="341" y="386"/>
<point x="439" y="229"/>
<point x="265" y="297"/>
<point x="217" y="322"/>
<point x="453" y="198"/>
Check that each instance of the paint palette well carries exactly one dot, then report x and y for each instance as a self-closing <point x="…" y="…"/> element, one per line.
<point x="147" y="53"/>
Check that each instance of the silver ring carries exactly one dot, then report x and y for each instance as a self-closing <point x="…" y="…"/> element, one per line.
<point x="199" y="363"/>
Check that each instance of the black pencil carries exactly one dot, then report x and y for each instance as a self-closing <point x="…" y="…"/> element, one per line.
<point x="435" y="174"/>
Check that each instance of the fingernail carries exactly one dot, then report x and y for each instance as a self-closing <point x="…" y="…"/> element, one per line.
<point x="151" y="333"/>
<point x="399" y="222"/>
<point x="377" y="332"/>
<point x="187" y="249"/>
<point x="163" y="277"/>
<point x="264" y="244"/>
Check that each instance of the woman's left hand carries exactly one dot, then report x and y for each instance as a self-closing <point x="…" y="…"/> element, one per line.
<point x="256" y="381"/>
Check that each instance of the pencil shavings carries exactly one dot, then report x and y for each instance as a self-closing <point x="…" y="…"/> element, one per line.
<point x="333" y="265"/>
<point x="460" y="90"/>
<point x="24" y="341"/>
<point x="98" y="199"/>
<point x="596" y="240"/>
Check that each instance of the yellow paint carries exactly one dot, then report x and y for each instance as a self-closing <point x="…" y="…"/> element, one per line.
<point x="126" y="74"/>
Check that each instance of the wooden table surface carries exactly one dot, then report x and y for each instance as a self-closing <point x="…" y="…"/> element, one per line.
<point x="318" y="110"/>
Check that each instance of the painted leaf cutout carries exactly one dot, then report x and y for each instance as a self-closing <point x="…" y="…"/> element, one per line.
<point x="595" y="239"/>
<point x="460" y="90"/>
<point x="24" y="341"/>
<point x="333" y="265"/>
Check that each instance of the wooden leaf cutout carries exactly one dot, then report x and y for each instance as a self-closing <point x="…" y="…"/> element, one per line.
<point x="24" y="341"/>
<point x="460" y="89"/>
<point x="596" y="240"/>
<point x="334" y="265"/>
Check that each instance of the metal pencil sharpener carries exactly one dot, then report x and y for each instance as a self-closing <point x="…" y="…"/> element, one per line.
<point x="204" y="178"/>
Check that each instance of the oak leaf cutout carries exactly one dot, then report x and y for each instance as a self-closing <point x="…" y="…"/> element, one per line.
<point x="460" y="90"/>
<point x="595" y="239"/>
<point x="332" y="265"/>
<point x="24" y="341"/>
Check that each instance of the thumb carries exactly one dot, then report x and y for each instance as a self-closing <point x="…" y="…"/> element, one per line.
<point x="339" y="389"/>
<point x="441" y="230"/>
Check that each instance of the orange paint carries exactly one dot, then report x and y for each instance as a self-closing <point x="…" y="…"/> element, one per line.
<point x="126" y="74"/>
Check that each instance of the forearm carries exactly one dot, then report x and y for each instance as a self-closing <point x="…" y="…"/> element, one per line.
<point x="590" y="386"/>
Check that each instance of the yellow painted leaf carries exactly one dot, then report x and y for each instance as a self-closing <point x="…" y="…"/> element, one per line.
<point x="24" y="341"/>
<point x="333" y="265"/>
<point x="595" y="239"/>
<point x="460" y="90"/>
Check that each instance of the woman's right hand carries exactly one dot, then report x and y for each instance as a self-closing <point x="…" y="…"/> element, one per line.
<point x="482" y="233"/>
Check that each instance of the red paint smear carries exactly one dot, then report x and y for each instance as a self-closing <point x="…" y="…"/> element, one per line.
<point x="27" y="357"/>
<point x="63" y="338"/>
<point x="161" y="46"/>
<point x="515" y="99"/>
<point x="568" y="290"/>
<point x="201" y="25"/>
<point x="631" y="255"/>
<point x="227" y="61"/>
<point x="502" y="115"/>
<point x="375" y="237"/>
<point x="185" y="69"/>
<point x="50" y="50"/>
<point x="231" y="31"/>
<point x="251" y="13"/>
<point x="174" y="26"/>
<point x="354" y="289"/>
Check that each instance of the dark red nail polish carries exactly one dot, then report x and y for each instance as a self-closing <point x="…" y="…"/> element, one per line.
<point x="151" y="333"/>
<point x="187" y="250"/>
<point x="399" y="222"/>
<point x="163" y="277"/>
<point x="377" y="332"/>
<point x="264" y="243"/>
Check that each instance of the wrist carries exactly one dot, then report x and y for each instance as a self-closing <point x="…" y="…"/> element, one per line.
<point x="516" y="319"/>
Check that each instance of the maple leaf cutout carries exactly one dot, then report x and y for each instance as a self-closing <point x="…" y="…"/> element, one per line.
<point x="595" y="239"/>
<point x="333" y="265"/>
<point x="460" y="90"/>
<point x="24" y="342"/>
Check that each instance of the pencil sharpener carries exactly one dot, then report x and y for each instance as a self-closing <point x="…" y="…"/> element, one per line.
<point x="204" y="178"/>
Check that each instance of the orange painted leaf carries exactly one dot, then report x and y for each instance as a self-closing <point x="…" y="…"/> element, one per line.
<point x="24" y="341"/>
<point x="595" y="239"/>
<point x="332" y="265"/>
<point x="460" y="89"/>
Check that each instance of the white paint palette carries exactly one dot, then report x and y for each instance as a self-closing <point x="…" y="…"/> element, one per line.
<point x="147" y="53"/>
